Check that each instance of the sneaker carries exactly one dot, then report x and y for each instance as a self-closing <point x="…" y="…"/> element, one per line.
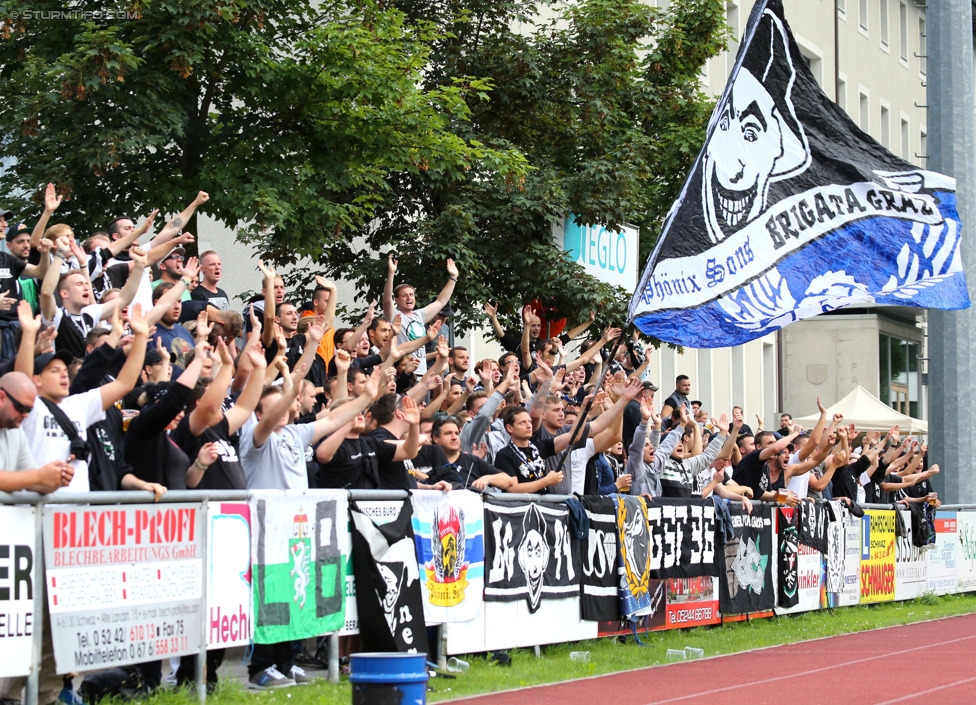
<point x="303" y="658"/>
<point x="270" y="677"/>
<point x="299" y="676"/>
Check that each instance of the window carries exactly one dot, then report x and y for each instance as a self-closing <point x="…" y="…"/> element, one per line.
<point x="732" y="20"/>
<point x="863" y="118"/>
<point x="923" y="147"/>
<point x="862" y="15"/>
<point x="906" y="147"/>
<point x="842" y="8"/>
<point x="898" y="371"/>
<point x="922" y="45"/>
<point x="842" y="94"/>
<point x="883" y="22"/>
<point x="903" y="30"/>
<point x="885" y="127"/>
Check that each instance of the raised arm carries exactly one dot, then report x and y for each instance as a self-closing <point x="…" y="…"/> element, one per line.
<point x="169" y="298"/>
<point x="131" y="287"/>
<point x="129" y="374"/>
<point x="269" y="303"/>
<point x="174" y="226"/>
<point x="496" y="327"/>
<point x="330" y="308"/>
<point x="51" y="202"/>
<point x="337" y="418"/>
<point x="49" y="307"/>
<point x="816" y="433"/>
<point x="581" y="328"/>
<point x="126" y="242"/>
<point x="289" y="390"/>
<point x="434" y="307"/>
<point x="608" y="335"/>
<point x="389" y="308"/>
<point x="29" y="327"/>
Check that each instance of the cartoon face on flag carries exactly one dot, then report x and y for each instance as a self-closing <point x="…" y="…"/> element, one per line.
<point x="791" y="211"/>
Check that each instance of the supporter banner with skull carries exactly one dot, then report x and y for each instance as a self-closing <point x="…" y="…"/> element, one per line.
<point x="388" y="598"/>
<point x="530" y="553"/>
<point x="449" y="533"/>
<point x="297" y="564"/>
<point x="633" y="556"/>
<point x="789" y="547"/>
<point x="682" y="537"/>
<point x="598" y="554"/>
<point x="749" y="556"/>
<point x="790" y="210"/>
<point x="814" y="518"/>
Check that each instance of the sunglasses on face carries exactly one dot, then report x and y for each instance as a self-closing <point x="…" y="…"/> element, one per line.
<point x="18" y="407"/>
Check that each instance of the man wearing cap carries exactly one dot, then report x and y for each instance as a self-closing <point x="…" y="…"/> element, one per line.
<point x="47" y="439"/>
<point x="171" y="270"/>
<point x="403" y="301"/>
<point x="14" y="266"/>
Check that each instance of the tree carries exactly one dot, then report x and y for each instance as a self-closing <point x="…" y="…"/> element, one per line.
<point x="291" y="114"/>
<point x="342" y="131"/>
<point x="603" y="100"/>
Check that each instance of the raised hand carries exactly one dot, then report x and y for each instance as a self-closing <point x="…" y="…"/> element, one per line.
<point x="410" y="411"/>
<point x="343" y="360"/>
<point x="492" y="311"/>
<point x="324" y="283"/>
<point x="452" y="270"/>
<point x="29" y="323"/>
<point x="821" y="407"/>
<point x="137" y="321"/>
<point x="527" y="315"/>
<point x="723" y="423"/>
<point x="225" y="357"/>
<point x="204" y="326"/>
<point x="191" y="268"/>
<point x="481" y="451"/>
<point x="138" y="257"/>
<point x="391" y="264"/>
<point x="208" y="454"/>
<point x="147" y="223"/>
<point x="634" y="389"/>
<point x="51" y="199"/>
<point x="376" y="383"/>
<point x="266" y="271"/>
<point x="317" y="329"/>
<point x="202" y="197"/>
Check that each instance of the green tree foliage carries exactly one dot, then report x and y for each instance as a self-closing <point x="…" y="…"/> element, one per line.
<point x="290" y="114"/>
<point x="601" y="96"/>
<point x="343" y="130"/>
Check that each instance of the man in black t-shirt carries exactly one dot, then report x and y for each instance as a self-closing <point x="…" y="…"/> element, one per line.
<point x="211" y="268"/>
<point x="522" y="459"/>
<point x="464" y="470"/>
<point x="752" y="470"/>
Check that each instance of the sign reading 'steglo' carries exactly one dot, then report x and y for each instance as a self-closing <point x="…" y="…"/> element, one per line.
<point x="790" y="210"/>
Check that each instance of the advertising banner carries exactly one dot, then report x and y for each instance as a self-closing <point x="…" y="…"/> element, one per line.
<point x="966" y="551"/>
<point x="124" y="583"/>
<point x="942" y="558"/>
<point x="692" y="602"/>
<point x="17" y="568"/>
<point x="808" y="562"/>
<point x="229" y="598"/>
<point x="877" y="556"/>
<point x="911" y="563"/>
<point x="843" y="565"/>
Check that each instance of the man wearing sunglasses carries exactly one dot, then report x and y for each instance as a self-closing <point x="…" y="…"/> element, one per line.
<point x="18" y="469"/>
<point x="171" y="270"/>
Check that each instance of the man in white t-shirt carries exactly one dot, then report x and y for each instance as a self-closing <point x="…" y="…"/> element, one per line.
<point x="18" y="469"/>
<point x="46" y="438"/>
<point x="413" y="321"/>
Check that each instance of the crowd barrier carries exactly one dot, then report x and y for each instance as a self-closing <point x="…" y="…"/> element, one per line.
<point x="127" y="580"/>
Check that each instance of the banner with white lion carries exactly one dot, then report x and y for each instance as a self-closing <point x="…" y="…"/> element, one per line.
<point x="790" y="210"/>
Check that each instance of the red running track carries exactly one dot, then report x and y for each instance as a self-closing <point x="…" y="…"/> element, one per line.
<point x="931" y="662"/>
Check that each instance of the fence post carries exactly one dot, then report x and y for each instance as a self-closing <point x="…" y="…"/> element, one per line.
<point x="37" y="635"/>
<point x="200" y="672"/>
<point x="334" y="657"/>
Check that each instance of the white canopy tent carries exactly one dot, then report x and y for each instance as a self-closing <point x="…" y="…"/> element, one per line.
<point x="868" y="413"/>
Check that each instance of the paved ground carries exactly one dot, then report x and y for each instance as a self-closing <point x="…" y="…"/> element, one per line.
<point x="919" y="663"/>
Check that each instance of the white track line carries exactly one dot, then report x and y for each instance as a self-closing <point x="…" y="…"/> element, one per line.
<point x="920" y="693"/>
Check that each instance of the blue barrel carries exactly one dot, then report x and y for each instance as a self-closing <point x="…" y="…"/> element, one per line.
<point x="388" y="678"/>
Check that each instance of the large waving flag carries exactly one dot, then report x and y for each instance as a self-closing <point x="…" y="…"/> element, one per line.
<point x="790" y="210"/>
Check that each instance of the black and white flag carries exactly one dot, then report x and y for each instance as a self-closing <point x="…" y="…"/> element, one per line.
<point x="598" y="556"/>
<point x="682" y="537"/>
<point x="789" y="548"/>
<point x="791" y="210"/>
<point x="813" y="519"/>
<point x="748" y="583"/>
<point x="388" y="596"/>
<point x="529" y="553"/>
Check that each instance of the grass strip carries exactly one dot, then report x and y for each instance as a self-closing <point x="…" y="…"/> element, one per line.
<point x="612" y="655"/>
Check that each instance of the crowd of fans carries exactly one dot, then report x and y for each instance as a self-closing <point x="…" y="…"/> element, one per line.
<point x="124" y="366"/>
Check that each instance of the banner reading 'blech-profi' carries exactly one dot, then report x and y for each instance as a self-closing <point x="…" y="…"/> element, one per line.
<point x="790" y="210"/>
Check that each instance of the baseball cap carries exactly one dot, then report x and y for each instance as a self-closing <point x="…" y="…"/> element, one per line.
<point x="649" y="386"/>
<point x="154" y="357"/>
<point x="45" y="359"/>
<point x="19" y="230"/>
<point x="175" y="251"/>
<point x="6" y="214"/>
